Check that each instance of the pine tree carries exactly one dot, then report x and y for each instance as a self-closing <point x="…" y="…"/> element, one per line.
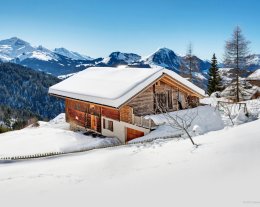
<point x="214" y="82"/>
<point x="236" y="52"/>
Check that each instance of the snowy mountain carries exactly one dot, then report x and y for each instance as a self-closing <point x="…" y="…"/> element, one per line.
<point x="166" y="58"/>
<point x="61" y="61"/>
<point x="253" y="62"/>
<point x="119" y="58"/>
<point x="13" y="48"/>
<point x="58" y="62"/>
<point x="71" y="54"/>
<point x="199" y="64"/>
<point x="39" y="53"/>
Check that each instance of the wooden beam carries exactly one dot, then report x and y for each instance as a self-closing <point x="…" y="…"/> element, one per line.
<point x="74" y="99"/>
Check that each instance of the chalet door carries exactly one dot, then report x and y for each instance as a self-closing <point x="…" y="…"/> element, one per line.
<point x="95" y="123"/>
<point x="132" y="134"/>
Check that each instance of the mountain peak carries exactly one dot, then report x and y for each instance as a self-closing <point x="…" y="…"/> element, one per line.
<point x="164" y="57"/>
<point x="164" y="49"/>
<point x="118" y="57"/>
<point x="14" y="41"/>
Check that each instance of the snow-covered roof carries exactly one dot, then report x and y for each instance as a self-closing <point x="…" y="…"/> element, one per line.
<point x="113" y="86"/>
<point x="246" y="90"/>
<point x="255" y="75"/>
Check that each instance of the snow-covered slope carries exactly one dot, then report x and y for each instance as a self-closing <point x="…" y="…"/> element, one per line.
<point x="39" y="53"/>
<point x="53" y="136"/>
<point x="223" y="171"/>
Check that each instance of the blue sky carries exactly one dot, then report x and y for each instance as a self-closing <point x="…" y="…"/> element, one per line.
<point x="98" y="27"/>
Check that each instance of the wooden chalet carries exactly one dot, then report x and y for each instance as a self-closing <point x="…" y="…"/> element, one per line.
<point x="115" y="101"/>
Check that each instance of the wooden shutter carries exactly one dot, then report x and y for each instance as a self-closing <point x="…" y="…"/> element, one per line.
<point x="88" y="121"/>
<point x="104" y="123"/>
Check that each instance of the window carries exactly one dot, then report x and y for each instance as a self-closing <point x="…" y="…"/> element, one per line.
<point x="161" y="100"/>
<point x="107" y="124"/>
<point x="164" y="100"/>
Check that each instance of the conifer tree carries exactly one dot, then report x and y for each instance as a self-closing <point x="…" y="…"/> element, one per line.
<point x="214" y="82"/>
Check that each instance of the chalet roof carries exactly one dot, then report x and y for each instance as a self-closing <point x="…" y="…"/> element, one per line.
<point x="113" y="86"/>
<point x="246" y="90"/>
<point x="255" y="75"/>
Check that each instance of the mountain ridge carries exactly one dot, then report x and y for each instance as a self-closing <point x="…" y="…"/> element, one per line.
<point x="60" y="62"/>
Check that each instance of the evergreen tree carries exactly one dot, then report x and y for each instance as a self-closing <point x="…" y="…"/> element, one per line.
<point x="214" y="83"/>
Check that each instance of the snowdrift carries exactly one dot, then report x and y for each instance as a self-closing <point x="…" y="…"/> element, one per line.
<point x="53" y="136"/>
<point x="206" y="119"/>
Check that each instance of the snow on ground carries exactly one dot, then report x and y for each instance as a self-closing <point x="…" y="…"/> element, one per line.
<point x="53" y="136"/>
<point x="223" y="171"/>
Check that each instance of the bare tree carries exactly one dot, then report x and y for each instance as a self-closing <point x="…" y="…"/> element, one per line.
<point x="191" y="61"/>
<point x="236" y="51"/>
<point x="231" y="110"/>
<point x="180" y="122"/>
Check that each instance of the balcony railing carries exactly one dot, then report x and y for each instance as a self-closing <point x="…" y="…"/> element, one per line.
<point x="142" y="122"/>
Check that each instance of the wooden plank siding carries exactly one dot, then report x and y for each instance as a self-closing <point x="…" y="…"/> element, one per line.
<point x="126" y="114"/>
<point x="111" y="113"/>
<point x="144" y="103"/>
<point x="83" y="113"/>
<point x="88" y="115"/>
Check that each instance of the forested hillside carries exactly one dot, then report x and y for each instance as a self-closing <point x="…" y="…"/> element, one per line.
<point x="27" y="89"/>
